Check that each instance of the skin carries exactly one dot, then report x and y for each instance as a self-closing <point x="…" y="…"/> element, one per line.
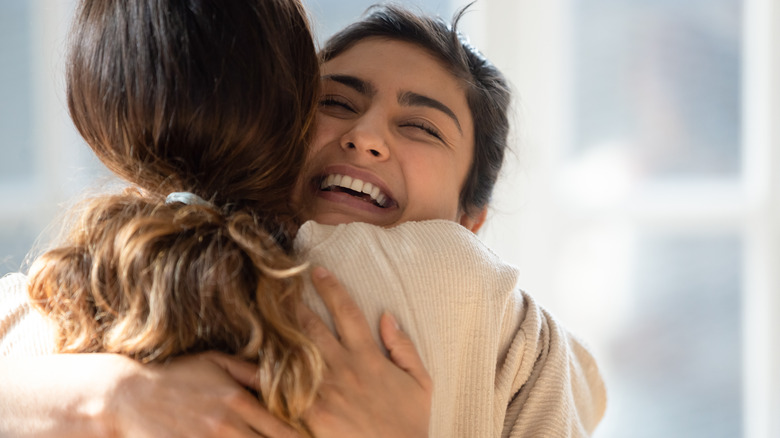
<point x="392" y="116"/>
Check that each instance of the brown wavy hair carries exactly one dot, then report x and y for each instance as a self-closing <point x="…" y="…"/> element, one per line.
<point x="213" y="98"/>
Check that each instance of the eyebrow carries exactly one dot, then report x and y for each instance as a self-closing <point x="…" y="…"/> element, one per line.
<point x="357" y="84"/>
<point x="410" y="98"/>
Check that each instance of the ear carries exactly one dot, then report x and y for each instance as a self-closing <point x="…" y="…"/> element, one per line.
<point x="473" y="223"/>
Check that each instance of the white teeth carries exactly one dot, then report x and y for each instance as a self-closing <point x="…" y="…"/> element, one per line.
<point x="356" y="185"/>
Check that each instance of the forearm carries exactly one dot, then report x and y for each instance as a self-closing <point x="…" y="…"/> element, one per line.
<point x="58" y="395"/>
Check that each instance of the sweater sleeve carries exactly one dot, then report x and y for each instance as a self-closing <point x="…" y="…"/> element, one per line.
<point x="23" y="331"/>
<point x="556" y="387"/>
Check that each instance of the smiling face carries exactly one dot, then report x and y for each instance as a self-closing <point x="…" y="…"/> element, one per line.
<point x="393" y="142"/>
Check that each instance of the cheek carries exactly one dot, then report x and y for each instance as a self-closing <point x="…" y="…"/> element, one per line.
<point x="317" y="139"/>
<point x="437" y="182"/>
<point x="326" y="130"/>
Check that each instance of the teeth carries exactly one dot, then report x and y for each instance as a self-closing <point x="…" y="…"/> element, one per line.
<point x="355" y="184"/>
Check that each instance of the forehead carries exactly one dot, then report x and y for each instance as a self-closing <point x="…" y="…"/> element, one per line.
<point x="383" y="50"/>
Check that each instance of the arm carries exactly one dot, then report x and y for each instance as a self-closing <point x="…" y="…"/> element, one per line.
<point x="106" y="395"/>
<point x="556" y="386"/>
<point x="54" y="395"/>
<point x="103" y="395"/>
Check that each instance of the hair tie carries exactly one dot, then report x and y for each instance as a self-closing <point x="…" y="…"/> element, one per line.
<point x="187" y="198"/>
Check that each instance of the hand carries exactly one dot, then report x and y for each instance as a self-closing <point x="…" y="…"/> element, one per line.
<point x="202" y="395"/>
<point x="365" y="394"/>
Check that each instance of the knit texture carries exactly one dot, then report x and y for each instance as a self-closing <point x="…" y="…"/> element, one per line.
<point x="23" y="331"/>
<point x="501" y="365"/>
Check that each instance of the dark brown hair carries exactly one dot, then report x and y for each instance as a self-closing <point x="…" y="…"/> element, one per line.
<point x="210" y="97"/>
<point x="487" y="91"/>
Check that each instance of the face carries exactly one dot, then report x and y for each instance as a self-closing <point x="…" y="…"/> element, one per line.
<point x="393" y="142"/>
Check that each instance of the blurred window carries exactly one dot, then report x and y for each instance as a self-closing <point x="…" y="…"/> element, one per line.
<point x="16" y="91"/>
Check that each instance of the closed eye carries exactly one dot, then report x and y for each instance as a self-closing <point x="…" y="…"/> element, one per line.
<point x="427" y="128"/>
<point x="333" y="101"/>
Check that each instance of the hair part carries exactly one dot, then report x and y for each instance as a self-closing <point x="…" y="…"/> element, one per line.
<point x="487" y="92"/>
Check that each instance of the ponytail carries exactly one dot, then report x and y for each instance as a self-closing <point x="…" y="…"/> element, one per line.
<point x="151" y="281"/>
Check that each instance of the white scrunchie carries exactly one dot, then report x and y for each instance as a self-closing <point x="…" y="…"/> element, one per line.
<point x="186" y="198"/>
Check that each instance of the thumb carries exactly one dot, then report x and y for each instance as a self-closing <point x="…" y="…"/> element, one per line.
<point x="402" y="351"/>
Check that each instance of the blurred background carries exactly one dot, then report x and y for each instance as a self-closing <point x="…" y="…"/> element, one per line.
<point x="641" y="199"/>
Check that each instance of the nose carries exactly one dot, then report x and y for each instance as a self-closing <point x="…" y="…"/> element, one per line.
<point x="366" y="138"/>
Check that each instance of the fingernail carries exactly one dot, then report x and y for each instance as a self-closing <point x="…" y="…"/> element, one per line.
<point x="319" y="273"/>
<point x="393" y="320"/>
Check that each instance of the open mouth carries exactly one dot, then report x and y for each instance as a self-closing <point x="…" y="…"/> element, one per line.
<point x="355" y="187"/>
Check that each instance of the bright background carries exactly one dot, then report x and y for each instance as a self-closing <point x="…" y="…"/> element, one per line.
<point x="641" y="200"/>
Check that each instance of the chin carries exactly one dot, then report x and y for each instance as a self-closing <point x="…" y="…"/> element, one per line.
<point x="334" y="219"/>
<point x="338" y="218"/>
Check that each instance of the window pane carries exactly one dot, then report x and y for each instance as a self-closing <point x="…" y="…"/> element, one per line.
<point x="675" y="366"/>
<point x="658" y="82"/>
<point x="16" y="241"/>
<point x="16" y="111"/>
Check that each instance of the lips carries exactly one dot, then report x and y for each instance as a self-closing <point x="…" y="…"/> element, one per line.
<point x="356" y="187"/>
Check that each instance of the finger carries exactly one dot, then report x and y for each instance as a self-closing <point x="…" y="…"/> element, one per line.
<point x="257" y="420"/>
<point x="330" y="347"/>
<point x="351" y="324"/>
<point x="402" y="350"/>
<point x="267" y="425"/>
<point x="241" y="371"/>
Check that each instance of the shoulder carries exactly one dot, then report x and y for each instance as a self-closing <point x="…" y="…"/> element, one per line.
<point x="434" y="236"/>
<point x="430" y="246"/>
<point x="23" y="331"/>
<point x="13" y="289"/>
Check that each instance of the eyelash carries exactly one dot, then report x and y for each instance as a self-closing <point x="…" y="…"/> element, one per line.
<point x="425" y="127"/>
<point x="332" y="101"/>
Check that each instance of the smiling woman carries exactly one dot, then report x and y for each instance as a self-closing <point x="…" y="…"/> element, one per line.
<point x="391" y="116"/>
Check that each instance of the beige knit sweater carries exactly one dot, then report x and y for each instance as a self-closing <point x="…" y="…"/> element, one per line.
<point x="501" y="365"/>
